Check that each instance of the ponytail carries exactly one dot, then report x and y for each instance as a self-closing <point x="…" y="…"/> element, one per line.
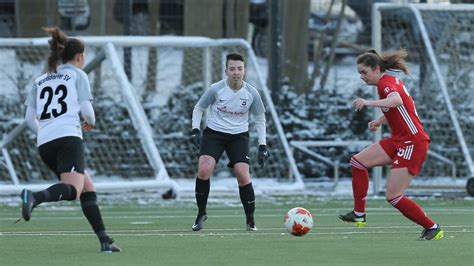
<point x="61" y="47"/>
<point x="393" y="60"/>
<point x="56" y="47"/>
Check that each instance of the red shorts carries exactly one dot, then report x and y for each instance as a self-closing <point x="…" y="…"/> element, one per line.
<point x="406" y="153"/>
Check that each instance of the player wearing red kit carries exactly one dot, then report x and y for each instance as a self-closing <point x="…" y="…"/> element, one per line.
<point x="405" y="149"/>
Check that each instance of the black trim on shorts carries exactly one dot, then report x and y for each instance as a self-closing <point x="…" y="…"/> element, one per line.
<point x="63" y="155"/>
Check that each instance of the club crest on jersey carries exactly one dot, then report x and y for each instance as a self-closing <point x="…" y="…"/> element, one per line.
<point x="384" y="109"/>
<point x="386" y="90"/>
<point x="243" y="102"/>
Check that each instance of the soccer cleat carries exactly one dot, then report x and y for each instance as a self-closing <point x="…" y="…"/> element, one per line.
<point x="432" y="234"/>
<point x="351" y="217"/>
<point x="200" y="219"/>
<point x="109" y="246"/>
<point x="251" y="227"/>
<point x="27" y="203"/>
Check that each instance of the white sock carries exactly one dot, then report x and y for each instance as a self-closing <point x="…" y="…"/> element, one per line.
<point x="359" y="213"/>
<point x="434" y="226"/>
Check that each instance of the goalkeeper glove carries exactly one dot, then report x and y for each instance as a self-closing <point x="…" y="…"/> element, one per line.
<point x="263" y="154"/>
<point x="196" y="138"/>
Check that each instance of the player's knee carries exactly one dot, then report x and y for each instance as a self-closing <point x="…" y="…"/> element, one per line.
<point x="243" y="180"/>
<point x="357" y="164"/>
<point x="204" y="172"/>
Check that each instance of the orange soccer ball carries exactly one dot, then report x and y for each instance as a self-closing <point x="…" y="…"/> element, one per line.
<point x="298" y="221"/>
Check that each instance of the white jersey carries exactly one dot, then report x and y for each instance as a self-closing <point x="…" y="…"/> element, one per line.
<point x="229" y="108"/>
<point x="56" y="97"/>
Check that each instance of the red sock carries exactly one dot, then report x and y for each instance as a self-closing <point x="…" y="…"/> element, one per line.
<point x="360" y="184"/>
<point x="412" y="211"/>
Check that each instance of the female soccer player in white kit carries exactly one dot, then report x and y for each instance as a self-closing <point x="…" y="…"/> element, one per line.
<point x="53" y="107"/>
<point x="231" y="100"/>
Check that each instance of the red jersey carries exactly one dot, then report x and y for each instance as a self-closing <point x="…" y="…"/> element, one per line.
<point x="403" y="120"/>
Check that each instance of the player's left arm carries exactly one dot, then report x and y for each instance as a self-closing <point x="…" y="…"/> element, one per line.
<point x="258" y="111"/>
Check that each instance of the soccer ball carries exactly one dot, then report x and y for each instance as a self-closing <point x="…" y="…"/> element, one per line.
<point x="298" y="221"/>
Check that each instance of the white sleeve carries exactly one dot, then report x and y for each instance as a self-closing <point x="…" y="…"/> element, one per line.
<point x="197" y="116"/>
<point x="261" y="129"/>
<point x="87" y="112"/>
<point x="30" y="118"/>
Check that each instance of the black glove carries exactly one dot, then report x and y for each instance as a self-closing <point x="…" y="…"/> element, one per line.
<point x="196" y="138"/>
<point x="263" y="154"/>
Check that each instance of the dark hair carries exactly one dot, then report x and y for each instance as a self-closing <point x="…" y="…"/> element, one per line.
<point x="234" y="57"/>
<point x="61" y="47"/>
<point x="393" y="60"/>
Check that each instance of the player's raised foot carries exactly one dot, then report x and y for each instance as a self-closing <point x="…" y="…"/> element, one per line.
<point x="251" y="227"/>
<point x="109" y="246"/>
<point x="351" y="217"/>
<point x="27" y="203"/>
<point x="432" y="234"/>
<point x="200" y="220"/>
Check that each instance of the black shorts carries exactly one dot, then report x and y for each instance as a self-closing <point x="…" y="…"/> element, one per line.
<point x="214" y="143"/>
<point x="63" y="155"/>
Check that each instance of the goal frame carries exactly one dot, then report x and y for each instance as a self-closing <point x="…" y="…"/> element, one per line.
<point x="139" y="119"/>
<point x="377" y="44"/>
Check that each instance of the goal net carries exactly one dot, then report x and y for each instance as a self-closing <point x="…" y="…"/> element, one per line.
<point x="439" y="42"/>
<point x="145" y="89"/>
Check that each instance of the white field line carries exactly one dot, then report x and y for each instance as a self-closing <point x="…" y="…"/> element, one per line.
<point x="186" y="230"/>
<point x="264" y="232"/>
<point x="132" y="215"/>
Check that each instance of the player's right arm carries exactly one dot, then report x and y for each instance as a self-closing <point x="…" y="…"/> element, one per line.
<point x="206" y="99"/>
<point x="84" y="97"/>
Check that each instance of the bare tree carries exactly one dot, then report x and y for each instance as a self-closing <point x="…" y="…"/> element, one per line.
<point x="295" y="43"/>
<point x="236" y="17"/>
<point x="201" y="18"/>
<point x="154" y="29"/>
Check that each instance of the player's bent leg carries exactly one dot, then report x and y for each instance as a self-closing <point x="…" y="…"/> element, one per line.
<point x="246" y="193"/>
<point x="92" y="213"/>
<point x="247" y="197"/>
<point x="360" y="185"/>
<point x="374" y="155"/>
<point x="56" y="192"/>
<point x="398" y="181"/>
<point x="202" y="188"/>
<point x="75" y="179"/>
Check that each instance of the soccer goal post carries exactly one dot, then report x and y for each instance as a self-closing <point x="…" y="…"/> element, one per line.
<point x="144" y="91"/>
<point x="438" y="40"/>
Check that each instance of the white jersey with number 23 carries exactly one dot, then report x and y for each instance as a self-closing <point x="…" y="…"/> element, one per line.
<point x="56" y="97"/>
